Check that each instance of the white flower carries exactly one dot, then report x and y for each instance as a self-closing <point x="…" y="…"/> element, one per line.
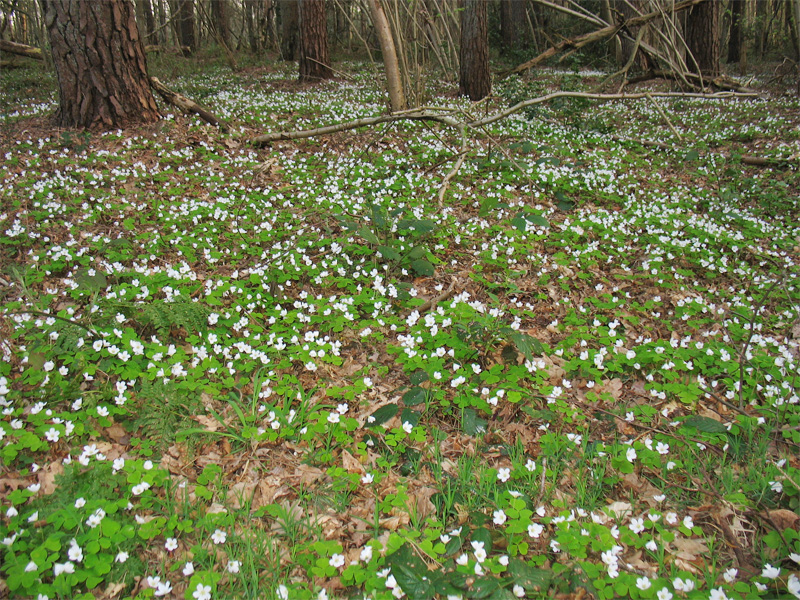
<point x="367" y="478"/>
<point x="163" y="588"/>
<point x="504" y="474"/>
<point x="407" y="427"/>
<point x="793" y="585"/>
<point x="630" y="454"/>
<point x="462" y="560"/>
<point x="121" y="557"/>
<point x="662" y="448"/>
<point x="333" y="417"/>
<point x="717" y="594"/>
<point x="535" y="530"/>
<point x="75" y="553"/>
<point x="637" y="525"/>
<point x="770" y="572"/>
<point x="282" y="592"/>
<point x="651" y="545"/>
<point x="336" y="561"/>
<point x="664" y="594"/>
<point x="499" y="517"/>
<point x="366" y="554"/>
<point x="730" y="575"/>
<point x="171" y="544"/>
<point x="643" y="583"/>
<point x="683" y="585"/>
<point x="530" y="465"/>
<point x="233" y="566"/>
<point x="188" y="569"/>
<point x="687" y="522"/>
<point x="52" y="435"/>
<point x="203" y="592"/>
<point x="59" y="568"/>
<point x="518" y="590"/>
<point x="479" y="551"/>
<point x="219" y="536"/>
<point x="31" y="566"/>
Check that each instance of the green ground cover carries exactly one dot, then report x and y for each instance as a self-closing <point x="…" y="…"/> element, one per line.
<point x="290" y="373"/>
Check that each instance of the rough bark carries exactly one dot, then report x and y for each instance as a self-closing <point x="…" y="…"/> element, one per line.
<point x="513" y="23"/>
<point x="186" y="24"/>
<point x="735" y="39"/>
<point x="702" y="37"/>
<point x="100" y="64"/>
<point x="289" y="29"/>
<point x="474" y="77"/>
<point x="219" y="13"/>
<point x="314" y="57"/>
<point x="390" y="64"/>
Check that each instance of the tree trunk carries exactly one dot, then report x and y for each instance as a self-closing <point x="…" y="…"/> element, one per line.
<point x="735" y="39"/>
<point x="702" y="37"/>
<point x="390" y="64"/>
<point x="629" y="10"/>
<point x="314" y="57"/>
<point x="100" y="64"/>
<point x="146" y="10"/>
<point x="513" y="21"/>
<point x="289" y="29"/>
<point x="186" y="25"/>
<point x="219" y="13"/>
<point x="474" y="78"/>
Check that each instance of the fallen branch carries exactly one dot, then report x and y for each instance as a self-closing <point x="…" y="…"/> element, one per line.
<point x="21" y="50"/>
<point x="186" y="104"/>
<point x="746" y="159"/>
<point x="721" y="83"/>
<point x="597" y="35"/>
<point x="446" y="115"/>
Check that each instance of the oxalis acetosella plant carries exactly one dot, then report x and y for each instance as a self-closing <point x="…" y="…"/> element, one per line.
<point x="319" y="370"/>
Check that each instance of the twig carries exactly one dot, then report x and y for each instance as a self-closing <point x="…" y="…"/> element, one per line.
<point x="431" y="304"/>
<point x="446" y="181"/>
<point x="48" y="315"/>
<point x="665" y="117"/>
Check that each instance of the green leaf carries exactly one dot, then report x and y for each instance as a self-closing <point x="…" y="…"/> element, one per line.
<point x="389" y="253"/>
<point x="705" y="424"/>
<point x="410" y="416"/>
<point x="691" y="156"/>
<point x="530" y="578"/>
<point x="411" y="574"/>
<point x="417" y="252"/>
<point x="418" y="377"/>
<point x="423" y="268"/>
<point x="520" y="223"/>
<point x="383" y="414"/>
<point x="367" y="234"/>
<point x="537" y="220"/>
<point x="415" y="395"/>
<point x="525" y="343"/>
<point x="483" y="588"/>
<point x="471" y="423"/>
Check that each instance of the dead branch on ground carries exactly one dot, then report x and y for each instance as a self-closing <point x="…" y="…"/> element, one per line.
<point x="186" y="104"/>
<point x="21" y="50"/>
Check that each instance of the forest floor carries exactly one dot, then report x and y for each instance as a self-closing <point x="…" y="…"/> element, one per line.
<point x="289" y="372"/>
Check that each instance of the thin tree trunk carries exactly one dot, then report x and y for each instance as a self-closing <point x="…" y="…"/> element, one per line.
<point x="314" y="57"/>
<point x="186" y="25"/>
<point x="735" y="38"/>
<point x="100" y="64"/>
<point x="702" y="37"/>
<point x="219" y="12"/>
<point x="512" y="26"/>
<point x="474" y="77"/>
<point x="289" y="29"/>
<point x="149" y="21"/>
<point x="390" y="64"/>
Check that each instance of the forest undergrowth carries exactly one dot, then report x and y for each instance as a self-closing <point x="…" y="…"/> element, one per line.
<point x="290" y="373"/>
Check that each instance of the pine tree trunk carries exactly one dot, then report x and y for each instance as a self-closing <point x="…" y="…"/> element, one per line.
<point x="474" y="78"/>
<point x="513" y="25"/>
<point x="735" y="39"/>
<point x="100" y="64"/>
<point x="702" y="37"/>
<point x="314" y="57"/>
